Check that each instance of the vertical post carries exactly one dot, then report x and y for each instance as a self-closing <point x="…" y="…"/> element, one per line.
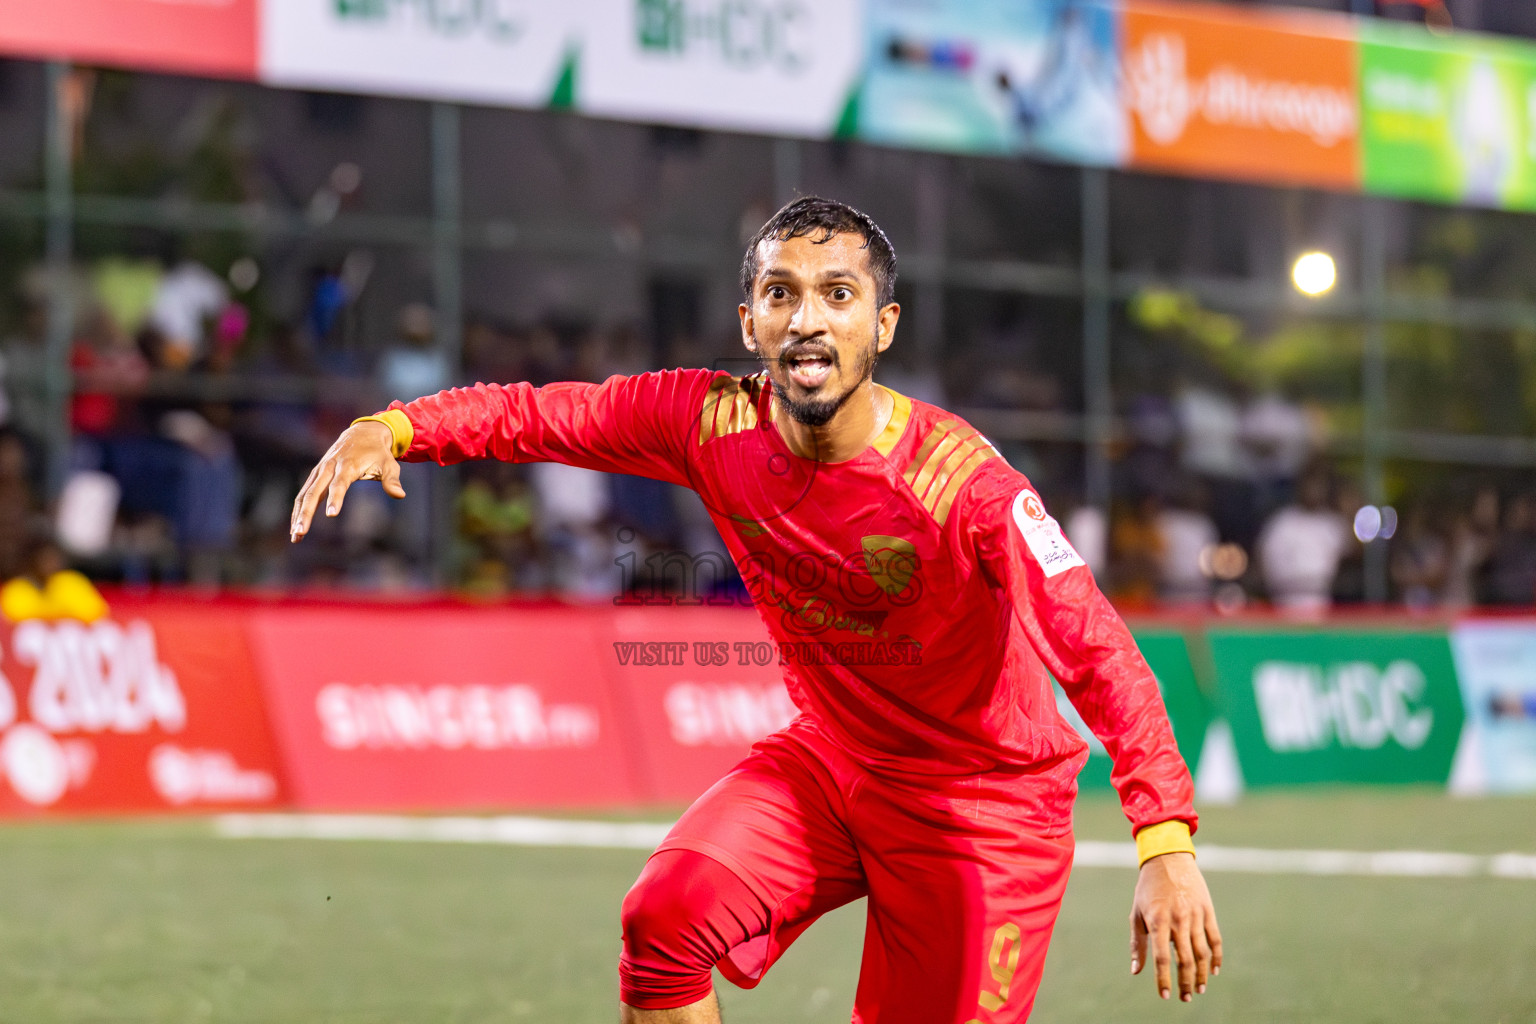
<point x="1373" y="377"/>
<point x="787" y="159"/>
<point x="448" y="309"/>
<point x="1098" y="403"/>
<point x="933" y="229"/>
<point x="58" y="193"/>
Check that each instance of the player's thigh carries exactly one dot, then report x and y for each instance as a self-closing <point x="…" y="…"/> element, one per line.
<point x="961" y="909"/>
<point x="778" y="821"/>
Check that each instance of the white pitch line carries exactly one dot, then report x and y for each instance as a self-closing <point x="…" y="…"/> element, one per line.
<point x="526" y="831"/>
<point x="508" y="831"/>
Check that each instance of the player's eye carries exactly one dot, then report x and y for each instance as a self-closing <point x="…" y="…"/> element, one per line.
<point x="841" y="294"/>
<point x="778" y="292"/>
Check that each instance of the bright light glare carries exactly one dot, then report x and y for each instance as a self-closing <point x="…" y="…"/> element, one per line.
<point x="1314" y="273"/>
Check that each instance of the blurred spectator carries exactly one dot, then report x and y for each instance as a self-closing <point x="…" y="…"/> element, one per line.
<point x="496" y="516"/>
<point x="573" y="506"/>
<point x="414" y="366"/>
<point x="1279" y="439"/>
<point x="1420" y="560"/>
<point x="1512" y="565"/>
<point x="1300" y="547"/>
<point x="18" y="507"/>
<point x="1474" y="532"/>
<point x="23" y="372"/>
<point x="1186" y="532"/>
<point x="1137" y="548"/>
<point x="47" y="588"/>
<point x="108" y="372"/>
<point x="1087" y="530"/>
<point x="187" y="298"/>
<point x="1212" y="449"/>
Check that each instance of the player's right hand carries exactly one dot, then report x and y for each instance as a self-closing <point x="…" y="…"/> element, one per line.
<point x="364" y="451"/>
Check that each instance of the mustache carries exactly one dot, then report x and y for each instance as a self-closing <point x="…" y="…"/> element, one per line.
<point x="801" y="349"/>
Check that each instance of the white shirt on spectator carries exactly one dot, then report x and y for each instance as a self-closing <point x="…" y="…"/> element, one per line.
<point x="1299" y="552"/>
<point x="187" y="296"/>
<point x="1186" y="533"/>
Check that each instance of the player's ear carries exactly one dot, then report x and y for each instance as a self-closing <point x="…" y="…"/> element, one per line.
<point x="886" y="333"/>
<point x="748" y="336"/>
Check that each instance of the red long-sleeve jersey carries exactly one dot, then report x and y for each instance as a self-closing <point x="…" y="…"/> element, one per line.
<point x="918" y="592"/>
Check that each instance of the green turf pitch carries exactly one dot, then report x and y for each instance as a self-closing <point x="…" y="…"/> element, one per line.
<point x="164" y="922"/>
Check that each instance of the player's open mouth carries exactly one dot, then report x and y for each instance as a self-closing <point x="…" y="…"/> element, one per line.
<point x="809" y="371"/>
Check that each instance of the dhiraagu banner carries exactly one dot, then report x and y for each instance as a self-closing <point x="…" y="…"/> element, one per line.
<point x="995" y="76"/>
<point x="513" y="52"/>
<point x="1448" y="118"/>
<point x="1189" y="710"/>
<point x="1342" y="706"/>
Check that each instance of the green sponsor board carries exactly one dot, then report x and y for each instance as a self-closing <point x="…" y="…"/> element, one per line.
<point x="1189" y="710"/>
<point x="1308" y="707"/>
<point x="1450" y="118"/>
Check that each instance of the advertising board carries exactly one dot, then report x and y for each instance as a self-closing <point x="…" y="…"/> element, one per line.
<point x="782" y="66"/>
<point x="1448" y="118"/>
<point x="152" y="709"/>
<point x="1231" y="93"/>
<point x="1189" y="709"/>
<point x="1496" y="662"/>
<point x="1340" y="706"/>
<point x="513" y="52"/>
<point x="198" y="37"/>
<point x="443" y="708"/>
<point x="994" y="76"/>
<point x="700" y="687"/>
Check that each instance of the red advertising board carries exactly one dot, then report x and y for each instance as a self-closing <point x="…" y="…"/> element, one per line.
<point x="703" y="685"/>
<point x="443" y="708"/>
<point x="202" y="37"/>
<point x="153" y="709"/>
<point x="1262" y="96"/>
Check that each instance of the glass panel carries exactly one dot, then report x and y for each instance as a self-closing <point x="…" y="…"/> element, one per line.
<point x="23" y="106"/>
<point x="157" y="136"/>
<point x="1170" y="226"/>
<point x="1442" y="251"/>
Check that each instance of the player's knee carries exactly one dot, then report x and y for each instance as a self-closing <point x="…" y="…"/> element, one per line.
<point x="670" y="941"/>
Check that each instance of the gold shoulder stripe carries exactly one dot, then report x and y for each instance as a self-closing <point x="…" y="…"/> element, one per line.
<point x="946" y="496"/>
<point x="901" y="413"/>
<point x="730" y="407"/>
<point x="945" y="460"/>
<point x="934" y="437"/>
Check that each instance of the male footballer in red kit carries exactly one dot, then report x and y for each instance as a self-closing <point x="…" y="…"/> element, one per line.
<point x="921" y="598"/>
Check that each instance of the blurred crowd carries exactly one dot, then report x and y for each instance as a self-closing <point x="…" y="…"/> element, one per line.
<point x="192" y="427"/>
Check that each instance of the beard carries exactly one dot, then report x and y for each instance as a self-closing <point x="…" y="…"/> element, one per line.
<point x="818" y="412"/>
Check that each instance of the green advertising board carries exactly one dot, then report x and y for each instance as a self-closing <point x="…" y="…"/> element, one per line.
<point x="1189" y="710"/>
<point x="1356" y="707"/>
<point x="1447" y="118"/>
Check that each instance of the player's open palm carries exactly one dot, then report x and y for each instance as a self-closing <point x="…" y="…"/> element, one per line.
<point x="362" y="452"/>
<point x="1173" y="909"/>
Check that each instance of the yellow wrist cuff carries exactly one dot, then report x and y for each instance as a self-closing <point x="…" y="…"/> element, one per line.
<point x="1164" y="837"/>
<point x="400" y="429"/>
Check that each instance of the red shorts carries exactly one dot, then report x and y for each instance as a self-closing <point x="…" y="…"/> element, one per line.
<point x="963" y="881"/>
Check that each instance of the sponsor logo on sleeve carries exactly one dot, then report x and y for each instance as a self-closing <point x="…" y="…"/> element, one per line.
<point x="1044" y="537"/>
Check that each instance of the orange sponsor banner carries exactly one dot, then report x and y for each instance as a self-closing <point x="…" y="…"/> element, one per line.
<point x="1234" y="94"/>
<point x="201" y="37"/>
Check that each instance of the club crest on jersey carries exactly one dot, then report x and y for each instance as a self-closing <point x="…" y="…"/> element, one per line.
<point x="1045" y="539"/>
<point x="891" y="561"/>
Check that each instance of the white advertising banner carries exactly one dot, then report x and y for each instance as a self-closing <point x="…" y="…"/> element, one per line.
<point x="510" y="52"/>
<point x="1496" y="663"/>
<point x="781" y="66"/>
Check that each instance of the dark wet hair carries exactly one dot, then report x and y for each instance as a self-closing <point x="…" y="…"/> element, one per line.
<point x="813" y="215"/>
